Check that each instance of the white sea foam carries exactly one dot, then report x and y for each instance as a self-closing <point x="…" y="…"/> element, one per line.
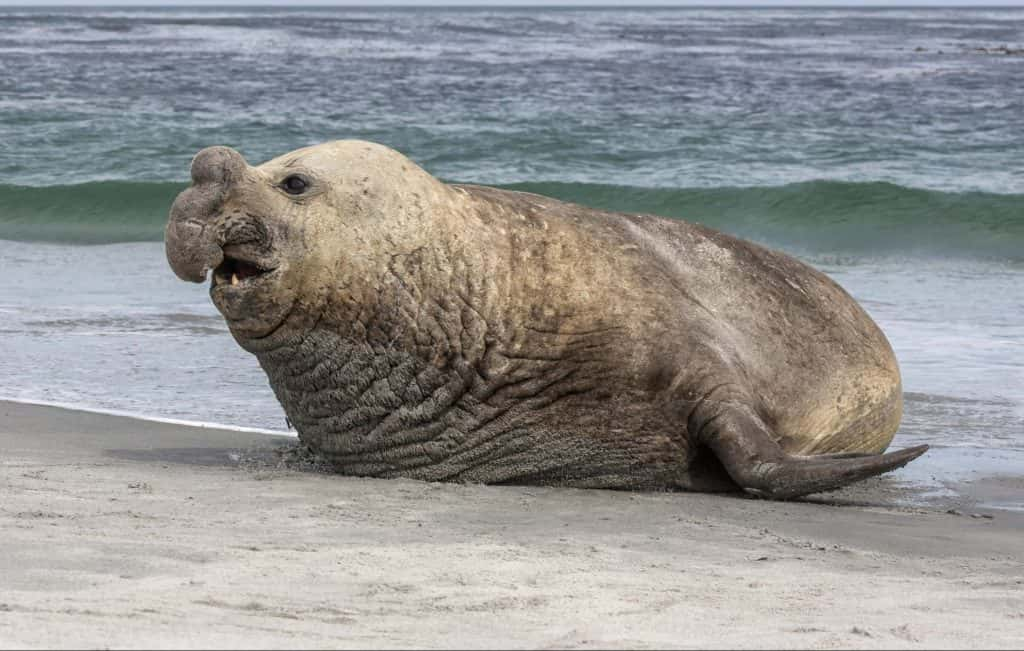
<point x="75" y="406"/>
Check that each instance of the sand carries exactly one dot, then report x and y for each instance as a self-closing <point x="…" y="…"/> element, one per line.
<point x="127" y="533"/>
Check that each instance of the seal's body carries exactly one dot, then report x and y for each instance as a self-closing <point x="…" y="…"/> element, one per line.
<point x="411" y="328"/>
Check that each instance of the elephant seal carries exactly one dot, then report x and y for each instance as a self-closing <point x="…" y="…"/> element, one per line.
<point x="412" y="328"/>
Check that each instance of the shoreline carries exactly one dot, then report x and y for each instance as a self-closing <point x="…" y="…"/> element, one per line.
<point x="122" y="532"/>
<point x="123" y="413"/>
<point x="992" y="481"/>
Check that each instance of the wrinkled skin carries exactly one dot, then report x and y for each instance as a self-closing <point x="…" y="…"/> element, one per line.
<point x="411" y="328"/>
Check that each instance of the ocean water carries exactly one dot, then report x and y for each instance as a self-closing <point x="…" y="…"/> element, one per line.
<point x="885" y="147"/>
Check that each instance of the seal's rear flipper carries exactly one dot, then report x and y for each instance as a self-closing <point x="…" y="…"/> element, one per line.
<point x="756" y="462"/>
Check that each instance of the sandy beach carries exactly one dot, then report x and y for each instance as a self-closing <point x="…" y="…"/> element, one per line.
<point x="402" y="322"/>
<point x="121" y="532"/>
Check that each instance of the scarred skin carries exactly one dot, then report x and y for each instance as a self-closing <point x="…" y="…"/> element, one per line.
<point x="411" y="328"/>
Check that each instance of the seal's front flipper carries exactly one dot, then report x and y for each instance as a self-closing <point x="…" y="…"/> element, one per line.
<point x="756" y="462"/>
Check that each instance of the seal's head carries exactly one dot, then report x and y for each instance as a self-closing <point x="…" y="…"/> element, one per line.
<point x="287" y="233"/>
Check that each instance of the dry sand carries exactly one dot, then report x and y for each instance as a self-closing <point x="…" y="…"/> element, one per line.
<point x="120" y="532"/>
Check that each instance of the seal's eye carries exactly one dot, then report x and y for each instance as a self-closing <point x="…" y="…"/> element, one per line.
<point x="295" y="184"/>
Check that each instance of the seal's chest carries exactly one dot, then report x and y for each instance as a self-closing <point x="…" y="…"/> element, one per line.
<point x="386" y="412"/>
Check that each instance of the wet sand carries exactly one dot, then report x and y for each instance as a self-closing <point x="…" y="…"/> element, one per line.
<point x="120" y="532"/>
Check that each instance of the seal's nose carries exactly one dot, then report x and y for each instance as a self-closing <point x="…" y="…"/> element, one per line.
<point x="220" y="165"/>
<point x="191" y="238"/>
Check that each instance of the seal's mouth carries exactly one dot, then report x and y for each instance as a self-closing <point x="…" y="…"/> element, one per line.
<point x="245" y="287"/>
<point x="239" y="269"/>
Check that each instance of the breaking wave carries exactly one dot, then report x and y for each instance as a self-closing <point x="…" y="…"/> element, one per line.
<point x="816" y="217"/>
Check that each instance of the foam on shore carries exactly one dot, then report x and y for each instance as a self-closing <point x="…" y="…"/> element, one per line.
<point x="153" y="419"/>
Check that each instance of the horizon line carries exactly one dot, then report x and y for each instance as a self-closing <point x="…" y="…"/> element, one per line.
<point x="477" y="4"/>
<point x="524" y="5"/>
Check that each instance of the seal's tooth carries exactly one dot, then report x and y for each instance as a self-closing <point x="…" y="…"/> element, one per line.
<point x="234" y="279"/>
